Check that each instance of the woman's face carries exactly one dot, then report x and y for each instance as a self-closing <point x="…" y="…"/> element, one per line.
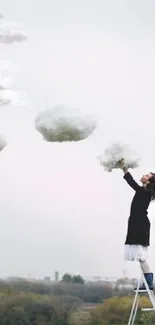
<point x="146" y="178"/>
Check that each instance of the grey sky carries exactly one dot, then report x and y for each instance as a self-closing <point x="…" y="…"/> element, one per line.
<point x="59" y="209"/>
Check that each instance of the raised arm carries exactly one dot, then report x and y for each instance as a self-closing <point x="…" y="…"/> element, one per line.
<point x="128" y="177"/>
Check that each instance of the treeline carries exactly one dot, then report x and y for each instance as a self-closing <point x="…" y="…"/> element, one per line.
<point x="45" y="303"/>
<point x="87" y="292"/>
<point x="31" y="309"/>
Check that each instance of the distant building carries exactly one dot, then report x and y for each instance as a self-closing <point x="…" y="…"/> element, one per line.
<point x="56" y="276"/>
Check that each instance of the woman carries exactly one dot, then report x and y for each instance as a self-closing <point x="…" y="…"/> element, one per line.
<point x="138" y="233"/>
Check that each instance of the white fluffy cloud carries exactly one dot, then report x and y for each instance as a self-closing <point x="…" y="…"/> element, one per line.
<point x="9" y="96"/>
<point x="62" y="124"/>
<point x="112" y="155"/>
<point x="11" y="32"/>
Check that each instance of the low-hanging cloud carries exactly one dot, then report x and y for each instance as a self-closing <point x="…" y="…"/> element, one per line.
<point x="11" y="32"/>
<point x="5" y="96"/>
<point x="61" y="124"/>
<point x="9" y="96"/>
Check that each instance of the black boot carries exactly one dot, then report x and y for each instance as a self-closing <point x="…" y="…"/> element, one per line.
<point x="149" y="280"/>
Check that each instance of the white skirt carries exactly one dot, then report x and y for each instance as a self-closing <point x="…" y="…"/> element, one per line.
<point x="135" y="253"/>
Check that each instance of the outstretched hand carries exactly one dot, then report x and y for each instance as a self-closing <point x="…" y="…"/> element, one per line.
<point x="122" y="165"/>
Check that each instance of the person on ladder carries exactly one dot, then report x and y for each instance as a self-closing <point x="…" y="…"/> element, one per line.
<point x="138" y="232"/>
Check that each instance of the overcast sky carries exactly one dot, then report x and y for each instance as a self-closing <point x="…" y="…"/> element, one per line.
<point x="59" y="209"/>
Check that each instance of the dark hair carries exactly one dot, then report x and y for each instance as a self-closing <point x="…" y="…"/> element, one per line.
<point x="151" y="186"/>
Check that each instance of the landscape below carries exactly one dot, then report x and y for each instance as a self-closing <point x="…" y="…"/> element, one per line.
<point x="70" y="301"/>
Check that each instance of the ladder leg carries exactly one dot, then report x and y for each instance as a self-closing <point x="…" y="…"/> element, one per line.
<point x="152" y="298"/>
<point x="135" y="312"/>
<point x="134" y="306"/>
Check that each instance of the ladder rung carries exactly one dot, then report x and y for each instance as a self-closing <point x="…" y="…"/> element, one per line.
<point x="142" y="291"/>
<point x="147" y="309"/>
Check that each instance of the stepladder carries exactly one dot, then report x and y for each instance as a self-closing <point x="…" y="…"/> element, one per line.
<point x="137" y="302"/>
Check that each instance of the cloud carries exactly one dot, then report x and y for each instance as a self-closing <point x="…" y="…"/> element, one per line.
<point x="6" y="96"/>
<point x="9" y="96"/>
<point x="112" y="155"/>
<point x="11" y="33"/>
<point x="62" y="124"/>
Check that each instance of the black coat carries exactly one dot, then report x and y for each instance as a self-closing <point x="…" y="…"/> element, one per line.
<point x="138" y="232"/>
